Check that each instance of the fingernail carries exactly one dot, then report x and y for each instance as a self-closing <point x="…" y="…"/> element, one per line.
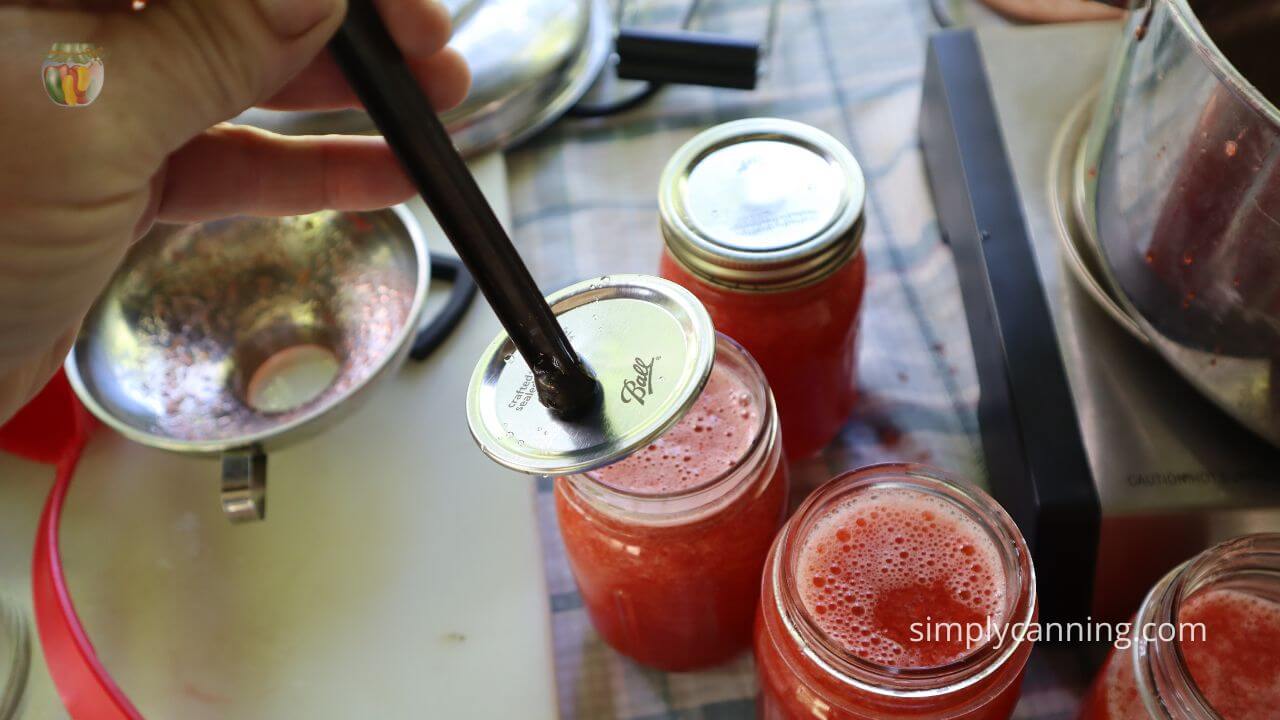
<point x="289" y="18"/>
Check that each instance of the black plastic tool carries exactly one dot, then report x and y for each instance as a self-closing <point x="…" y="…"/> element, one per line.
<point x="687" y="57"/>
<point x="377" y="71"/>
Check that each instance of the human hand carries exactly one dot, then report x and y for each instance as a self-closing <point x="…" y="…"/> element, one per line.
<point x="79" y="185"/>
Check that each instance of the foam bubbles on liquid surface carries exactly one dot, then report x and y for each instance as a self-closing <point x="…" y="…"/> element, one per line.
<point x="878" y="563"/>
<point x="1235" y="664"/>
<point x="710" y="439"/>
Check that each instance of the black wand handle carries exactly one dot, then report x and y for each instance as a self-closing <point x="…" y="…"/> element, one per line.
<point x="379" y="75"/>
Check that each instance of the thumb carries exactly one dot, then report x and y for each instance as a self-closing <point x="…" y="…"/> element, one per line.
<point x="190" y="64"/>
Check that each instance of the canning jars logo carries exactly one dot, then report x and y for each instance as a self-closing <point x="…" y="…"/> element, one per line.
<point x="73" y="73"/>
<point x="641" y="387"/>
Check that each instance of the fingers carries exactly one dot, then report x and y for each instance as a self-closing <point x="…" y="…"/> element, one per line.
<point x="321" y="86"/>
<point x="421" y="30"/>
<point x="194" y="63"/>
<point x="179" y="67"/>
<point x="233" y="169"/>
<point x="419" y="27"/>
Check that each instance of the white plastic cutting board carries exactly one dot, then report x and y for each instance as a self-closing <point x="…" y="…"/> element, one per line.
<point x="398" y="574"/>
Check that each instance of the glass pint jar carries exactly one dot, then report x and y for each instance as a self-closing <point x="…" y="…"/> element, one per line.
<point x="762" y="220"/>
<point x="870" y="598"/>
<point x="1204" y="644"/>
<point x="667" y="545"/>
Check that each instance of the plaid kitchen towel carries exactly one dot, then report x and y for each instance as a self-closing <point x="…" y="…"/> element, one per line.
<point x="584" y="203"/>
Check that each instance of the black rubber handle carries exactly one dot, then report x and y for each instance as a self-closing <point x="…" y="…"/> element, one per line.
<point x="449" y="270"/>
<point x="391" y="94"/>
<point x="688" y="58"/>
<point x="661" y="74"/>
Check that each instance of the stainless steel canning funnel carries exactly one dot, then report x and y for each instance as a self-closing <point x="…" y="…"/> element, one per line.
<point x="240" y="336"/>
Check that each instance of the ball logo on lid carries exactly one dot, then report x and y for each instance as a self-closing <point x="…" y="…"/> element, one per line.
<point x="642" y="386"/>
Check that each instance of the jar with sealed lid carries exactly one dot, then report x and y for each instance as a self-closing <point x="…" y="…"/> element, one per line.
<point x="895" y="592"/>
<point x="1204" y="644"/>
<point x="762" y="219"/>
<point x="667" y="543"/>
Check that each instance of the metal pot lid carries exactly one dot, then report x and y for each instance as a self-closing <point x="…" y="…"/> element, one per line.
<point x="530" y="61"/>
<point x="649" y="342"/>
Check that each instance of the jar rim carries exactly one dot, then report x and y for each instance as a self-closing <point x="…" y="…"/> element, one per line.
<point x="764" y="437"/>
<point x="888" y="681"/>
<point x="1164" y="603"/>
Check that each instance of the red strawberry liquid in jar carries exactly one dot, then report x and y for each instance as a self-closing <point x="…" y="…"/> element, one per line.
<point x="762" y="220"/>
<point x="667" y="544"/>
<point x="880" y="598"/>
<point x="1220" y="653"/>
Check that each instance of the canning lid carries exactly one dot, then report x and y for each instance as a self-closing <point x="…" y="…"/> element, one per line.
<point x="762" y="204"/>
<point x="648" y="341"/>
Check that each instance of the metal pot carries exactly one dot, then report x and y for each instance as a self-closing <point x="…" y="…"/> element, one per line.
<point x="1183" y="162"/>
<point x="530" y="60"/>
